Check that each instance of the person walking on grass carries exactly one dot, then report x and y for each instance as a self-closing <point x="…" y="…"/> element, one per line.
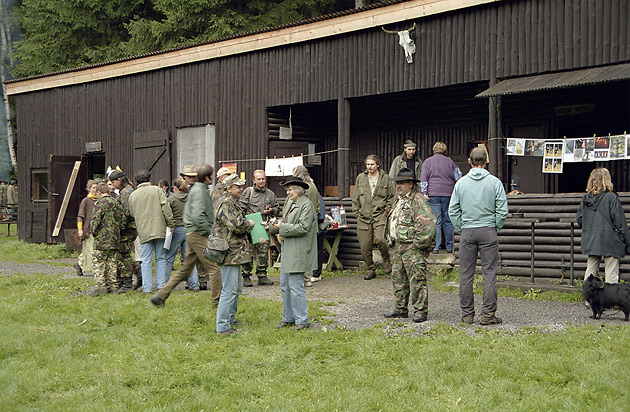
<point x="231" y="225"/>
<point x="108" y="223"/>
<point x="478" y="209"/>
<point x="198" y="220"/>
<point x="374" y="196"/>
<point x="411" y="232"/>
<point x="298" y="230"/>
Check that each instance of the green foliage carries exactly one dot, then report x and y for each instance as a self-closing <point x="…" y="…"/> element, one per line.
<point x="60" y="34"/>
<point x="60" y="351"/>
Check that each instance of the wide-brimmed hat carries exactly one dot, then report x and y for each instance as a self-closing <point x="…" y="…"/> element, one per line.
<point x="233" y="180"/>
<point x="405" y="174"/>
<point x="295" y="181"/>
<point x="223" y="171"/>
<point x="189" y="170"/>
<point x="116" y="174"/>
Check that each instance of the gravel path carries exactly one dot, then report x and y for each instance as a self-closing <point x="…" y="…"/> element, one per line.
<point x="358" y="304"/>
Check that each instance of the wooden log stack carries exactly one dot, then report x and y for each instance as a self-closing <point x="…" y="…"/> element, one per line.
<point x="552" y="215"/>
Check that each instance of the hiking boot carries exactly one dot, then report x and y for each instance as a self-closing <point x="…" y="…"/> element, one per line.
<point x="157" y="300"/>
<point x="469" y="319"/>
<point x="97" y="292"/>
<point x="262" y="280"/>
<point x="370" y="275"/>
<point x="77" y="267"/>
<point x="387" y="268"/>
<point x="126" y="286"/>
<point x="316" y="279"/>
<point x="493" y="320"/>
<point x="247" y="282"/>
<point x="396" y="314"/>
<point x="420" y="317"/>
<point x="227" y="332"/>
<point x="302" y="327"/>
<point x="284" y="324"/>
<point x="308" y="283"/>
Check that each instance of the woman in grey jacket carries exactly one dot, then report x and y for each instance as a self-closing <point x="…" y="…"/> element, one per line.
<point x="605" y="232"/>
<point x="298" y="230"/>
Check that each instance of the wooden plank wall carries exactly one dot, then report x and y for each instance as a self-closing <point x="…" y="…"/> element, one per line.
<point x="506" y="38"/>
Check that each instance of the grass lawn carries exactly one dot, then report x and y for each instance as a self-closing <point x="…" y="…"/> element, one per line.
<point x="60" y="351"/>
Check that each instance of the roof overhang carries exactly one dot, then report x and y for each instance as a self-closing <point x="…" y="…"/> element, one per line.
<point x="551" y="81"/>
<point x="367" y="19"/>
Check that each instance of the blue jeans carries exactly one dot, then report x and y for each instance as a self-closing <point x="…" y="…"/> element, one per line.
<point x="295" y="308"/>
<point x="147" y="249"/>
<point x="179" y="240"/>
<point x="439" y="205"/>
<point x="228" y="303"/>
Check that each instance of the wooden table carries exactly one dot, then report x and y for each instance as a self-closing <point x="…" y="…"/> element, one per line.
<point x="333" y="261"/>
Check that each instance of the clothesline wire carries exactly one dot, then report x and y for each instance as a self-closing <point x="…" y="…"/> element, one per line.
<point x="285" y="157"/>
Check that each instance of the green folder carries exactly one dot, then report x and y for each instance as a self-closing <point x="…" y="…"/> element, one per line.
<point x="259" y="230"/>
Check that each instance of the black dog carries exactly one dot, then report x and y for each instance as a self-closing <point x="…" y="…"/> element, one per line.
<point x="602" y="296"/>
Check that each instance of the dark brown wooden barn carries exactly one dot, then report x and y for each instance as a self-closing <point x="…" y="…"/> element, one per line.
<point x="483" y="70"/>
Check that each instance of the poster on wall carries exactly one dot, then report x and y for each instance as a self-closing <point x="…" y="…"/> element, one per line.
<point x="553" y="155"/>
<point x="516" y="147"/>
<point x="617" y="147"/>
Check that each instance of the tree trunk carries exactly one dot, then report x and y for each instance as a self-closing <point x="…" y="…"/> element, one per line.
<point x="5" y="38"/>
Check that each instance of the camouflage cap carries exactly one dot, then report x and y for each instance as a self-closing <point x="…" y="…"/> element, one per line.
<point x="233" y="180"/>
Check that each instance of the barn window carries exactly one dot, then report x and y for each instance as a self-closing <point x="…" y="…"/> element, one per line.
<point x="40" y="185"/>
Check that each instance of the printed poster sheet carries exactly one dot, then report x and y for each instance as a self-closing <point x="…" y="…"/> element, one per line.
<point x="553" y="155"/>
<point x="282" y="167"/>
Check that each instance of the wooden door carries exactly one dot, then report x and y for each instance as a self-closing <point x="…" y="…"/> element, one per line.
<point x="59" y="177"/>
<point x="152" y="151"/>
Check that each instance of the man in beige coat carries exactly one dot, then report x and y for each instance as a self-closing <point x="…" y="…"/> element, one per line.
<point x="148" y="206"/>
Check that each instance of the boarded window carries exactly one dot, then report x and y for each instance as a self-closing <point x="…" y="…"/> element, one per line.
<point x="195" y="146"/>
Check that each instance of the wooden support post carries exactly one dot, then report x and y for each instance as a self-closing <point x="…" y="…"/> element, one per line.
<point x="343" y="145"/>
<point x="66" y="198"/>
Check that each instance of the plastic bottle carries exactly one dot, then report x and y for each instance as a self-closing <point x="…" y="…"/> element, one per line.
<point x="335" y="214"/>
<point x="342" y="217"/>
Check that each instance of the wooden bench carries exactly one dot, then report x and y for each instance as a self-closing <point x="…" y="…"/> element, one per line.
<point x="9" y="222"/>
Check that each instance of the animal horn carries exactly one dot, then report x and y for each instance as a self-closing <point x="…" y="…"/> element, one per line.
<point x="388" y="31"/>
<point x="412" y="28"/>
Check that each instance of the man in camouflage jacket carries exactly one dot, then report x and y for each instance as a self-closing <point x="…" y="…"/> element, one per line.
<point x="230" y="224"/>
<point x="411" y="229"/>
<point x="108" y="223"/>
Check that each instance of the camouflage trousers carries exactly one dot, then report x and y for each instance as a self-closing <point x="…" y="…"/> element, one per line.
<point x="106" y="264"/>
<point x="409" y="276"/>
<point x="260" y="252"/>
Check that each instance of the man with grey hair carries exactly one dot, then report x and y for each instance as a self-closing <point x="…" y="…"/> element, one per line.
<point x="408" y="159"/>
<point x="478" y="209"/>
<point x="219" y="187"/>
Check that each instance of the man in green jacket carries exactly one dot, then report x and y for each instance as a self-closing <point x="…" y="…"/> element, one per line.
<point x="198" y="222"/>
<point x="373" y="198"/>
<point x="409" y="159"/>
<point x="148" y="206"/>
<point x="478" y="209"/>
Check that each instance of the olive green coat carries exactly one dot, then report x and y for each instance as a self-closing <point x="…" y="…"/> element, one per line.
<point x="299" y="236"/>
<point x="369" y="207"/>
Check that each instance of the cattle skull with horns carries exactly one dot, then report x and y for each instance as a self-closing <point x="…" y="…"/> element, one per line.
<point x="405" y="40"/>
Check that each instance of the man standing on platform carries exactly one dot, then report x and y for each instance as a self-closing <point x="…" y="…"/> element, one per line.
<point x="258" y="199"/>
<point x="198" y="222"/>
<point x="408" y="159"/>
<point x="478" y="209"/>
<point x="374" y="196"/>
<point x="411" y="232"/>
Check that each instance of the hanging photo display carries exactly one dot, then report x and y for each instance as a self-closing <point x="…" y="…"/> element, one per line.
<point x="553" y="156"/>
<point x="516" y="147"/>
<point x="557" y="152"/>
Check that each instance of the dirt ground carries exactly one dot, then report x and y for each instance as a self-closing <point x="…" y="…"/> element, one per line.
<point x="355" y="303"/>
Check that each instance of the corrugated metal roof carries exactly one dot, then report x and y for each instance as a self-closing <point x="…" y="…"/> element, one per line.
<point x="563" y="80"/>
